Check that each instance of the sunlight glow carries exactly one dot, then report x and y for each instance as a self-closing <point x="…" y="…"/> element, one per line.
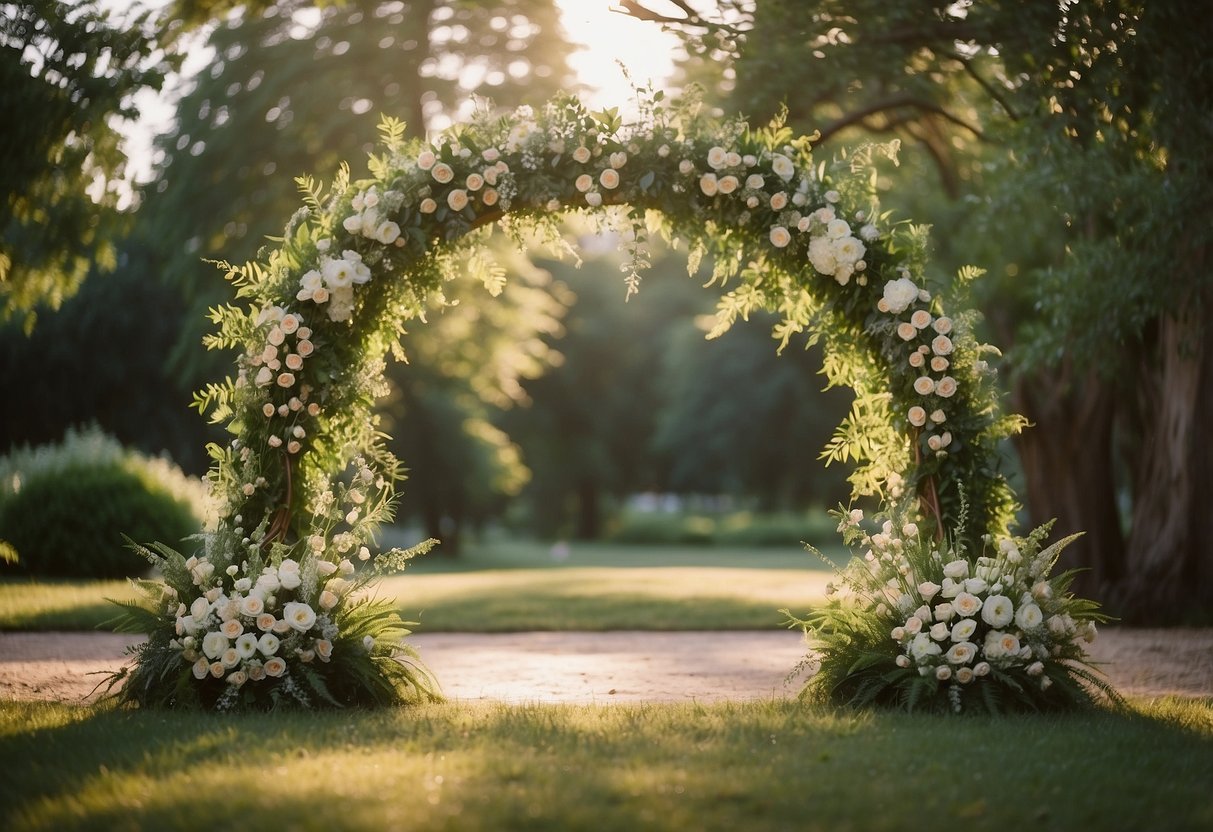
<point x="608" y="39"/>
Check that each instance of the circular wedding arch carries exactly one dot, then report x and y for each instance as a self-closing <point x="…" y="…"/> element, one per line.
<point x="268" y="608"/>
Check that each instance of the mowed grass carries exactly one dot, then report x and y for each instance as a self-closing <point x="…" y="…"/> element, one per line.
<point x="730" y="766"/>
<point x="506" y="587"/>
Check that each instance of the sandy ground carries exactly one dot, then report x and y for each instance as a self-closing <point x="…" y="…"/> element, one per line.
<point x="607" y="667"/>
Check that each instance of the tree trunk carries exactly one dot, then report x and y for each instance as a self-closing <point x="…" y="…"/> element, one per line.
<point x="1067" y="462"/>
<point x="1168" y="560"/>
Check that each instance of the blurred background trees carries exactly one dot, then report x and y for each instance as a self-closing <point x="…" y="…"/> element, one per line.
<point x="1065" y="148"/>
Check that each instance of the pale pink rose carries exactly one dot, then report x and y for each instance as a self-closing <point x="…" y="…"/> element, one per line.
<point x="921" y="318"/>
<point x="916" y="360"/>
<point x="489" y="197"/>
<point x="427" y="206"/>
<point x="609" y="179"/>
<point x="917" y="416"/>
<point x="217" y="669"/>
<point x="426" y="160"/>
<point x="584" y="182"/>
<point x="275" y="667"/>
<point x="582" y="155"/>
<point x="708" y="184"/>
<point x="324" y="649"/>
<point x="941" y="345"/>
<point x="618" y="160"/>
<point x="442" y="173"/>
<point x="457" y="199"/>
<point x="265" y="622"/>
<point x="491" y="154"/>
<point x="232" y="628"/>
<point x="754" y="182"/>
<point x="964" y="675"/>
<point x="286" y="380"/>
<point x="906" y="331"/>
<point x="201" y="668"/>
<point x="967" y="604"/>
<point x="780" y="237"/>
<point x="939" y="364"/>
<point x="728" y="184"/>
<point x="779" y="201"/>
<point x="946" y="387"/>
<point x="717" y="158"/>
<point x="943" y="325"/>
<point x="924" y="385"/>
<point x="474" y="182"/>
<point x="328" y="600"/>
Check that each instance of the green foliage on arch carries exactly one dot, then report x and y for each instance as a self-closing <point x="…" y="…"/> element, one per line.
<point x="266" y="610"/>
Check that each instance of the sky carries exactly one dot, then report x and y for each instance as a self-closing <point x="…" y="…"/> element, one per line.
<point x="606" y="40"/>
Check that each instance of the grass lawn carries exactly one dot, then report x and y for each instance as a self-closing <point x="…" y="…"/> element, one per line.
<point x="520" y="586"/>
<point x="730" y="766"/>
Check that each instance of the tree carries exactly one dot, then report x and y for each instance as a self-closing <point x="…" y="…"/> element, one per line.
<point x="296" y="89"/>
<point x="1078" y="131"/>
<point x="68" y="73"/>
<point x="738" y="419"/>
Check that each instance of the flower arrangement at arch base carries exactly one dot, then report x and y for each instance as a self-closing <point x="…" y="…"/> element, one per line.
<point x="920" y="623"/>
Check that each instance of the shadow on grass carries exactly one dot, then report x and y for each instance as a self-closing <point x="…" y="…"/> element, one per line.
<point x="751" y="766"/>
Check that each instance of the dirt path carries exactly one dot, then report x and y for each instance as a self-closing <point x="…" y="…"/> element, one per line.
<point x="607" y="667"/>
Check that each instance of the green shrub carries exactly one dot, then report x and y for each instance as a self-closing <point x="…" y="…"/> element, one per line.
<point x="741" y="528"/>
<point x="64" y="508"/>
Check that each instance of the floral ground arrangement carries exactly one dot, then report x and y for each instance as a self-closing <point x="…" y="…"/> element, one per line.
<point x="943" y="609"/>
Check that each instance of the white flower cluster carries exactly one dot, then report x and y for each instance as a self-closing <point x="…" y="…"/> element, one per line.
<point x="333" y="283"/>
<point x="957" y="620"/>
<point x="928" y="341"/>
<point x="833" y="248"/>
<point x="244" y="628"/>
<point x="370" y="219"/>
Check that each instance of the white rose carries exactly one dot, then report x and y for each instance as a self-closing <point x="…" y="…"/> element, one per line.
<point x="922" y="646"/>
<point x="967" y="604"/>
<point x="754" y="182"/>
<point x="299" y="616"/>
<point x="1036" y="668"/>
<point x="943" y="673"/>
<point x="961" y="653"/>
<point x="1028" y="617"/>
<point x="200" y="608"/>
<point x="822" y="256"/>
<point x="268" y="644"/>
<point x="944" y="612"/>
<point x="927" y="589"/>
<point x="964" y="629"/>
<point x="783" y="167"/>
<point x="958" y="568"/>
<point x="976" y="585"/>
<point x="899" y="294"/>
<point x="426" y="160"/>
<point x="581" y="155"/>
<point x="328" y="600"/>
<point x="324" y="568"/>
<point x="913" y="624"/>
<point x="213" y="644"/>
<point x="686" y="166"/>
<point x="939" y="631"/>
<point x="246" y="645"/>
<point x="717" y="158"/>
<point x="924" y="385"/>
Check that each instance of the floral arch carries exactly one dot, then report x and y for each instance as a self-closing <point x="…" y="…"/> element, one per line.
<point x="944" y="607"/>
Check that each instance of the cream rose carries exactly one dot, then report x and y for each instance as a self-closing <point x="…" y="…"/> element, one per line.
<point x="609" y="179"/>
<point x="727" y="184"/>
<point x="442" y="173"/>
<point x="946" y="387"/>
<point x="967" y="604"/>
<point x="708" y="184"/>
<point x="917" y="416"/>
<point x="583" y="182"/>
<point x="457" y="199"/>
<point x="299" y="616"/>
<point x="275" y="667"/>
<point x="780" y="236"/>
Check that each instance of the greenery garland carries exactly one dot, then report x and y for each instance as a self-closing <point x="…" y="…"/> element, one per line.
<point x="268" y="609"/>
